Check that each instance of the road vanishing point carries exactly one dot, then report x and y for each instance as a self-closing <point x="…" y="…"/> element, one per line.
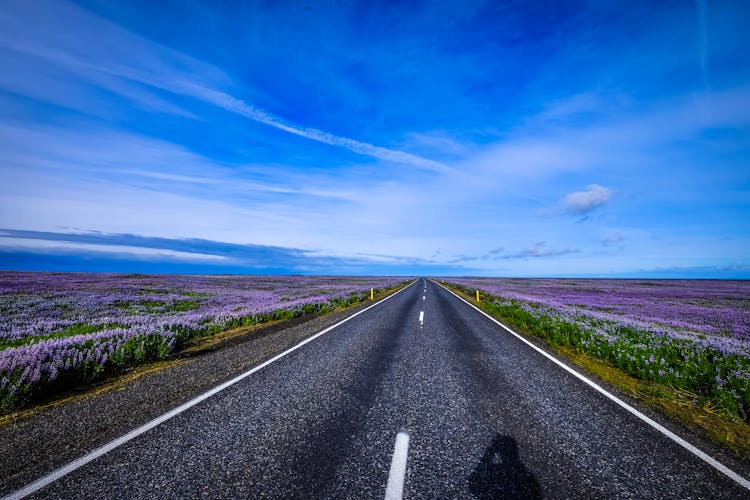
<point x="419" y="395"/>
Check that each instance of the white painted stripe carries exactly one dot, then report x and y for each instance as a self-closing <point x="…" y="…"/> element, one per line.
<point x="80" y="462"/>
<point x="395" y="488"/>
<point x="671" y="435"/>
<point x="424" y="297"/>
<point x="421" y="317"/>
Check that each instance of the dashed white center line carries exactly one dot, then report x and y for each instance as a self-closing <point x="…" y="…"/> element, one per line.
<point x="395" y="488"/>
<point x="106" y="448"/>
<point x="424" y="297"/>
<point x="421" y="318"/>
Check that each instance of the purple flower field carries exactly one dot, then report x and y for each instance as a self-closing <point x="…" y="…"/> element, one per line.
<point x="714" y="312"/>
<point x="690" y="335"/>
<point x="57" y="327"/>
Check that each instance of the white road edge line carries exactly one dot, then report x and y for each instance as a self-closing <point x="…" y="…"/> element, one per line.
<point x="671" y="435"/>
<point x="395" y="488"/>
<point x="80" y="462"/>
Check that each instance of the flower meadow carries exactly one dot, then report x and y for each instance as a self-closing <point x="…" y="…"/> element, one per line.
<point x="64" y="329"/>
<point x="691" y="335"/>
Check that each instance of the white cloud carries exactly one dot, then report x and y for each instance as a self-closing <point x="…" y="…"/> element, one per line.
<point x="120" y="183"/>
<point x="540" y="250"/>
<point x="582" y="202"/>
<point x="56" y="247"/>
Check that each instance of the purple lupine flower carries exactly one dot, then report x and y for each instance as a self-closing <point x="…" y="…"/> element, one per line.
<point x="685" y="328"/>
<point x="64" y="321"/>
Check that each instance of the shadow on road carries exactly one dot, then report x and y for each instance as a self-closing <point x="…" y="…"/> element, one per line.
<point x="501" y="474"/>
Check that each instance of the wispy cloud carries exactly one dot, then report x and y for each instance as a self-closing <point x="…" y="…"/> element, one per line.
<point x="305" y="130"/>
<point x="540" y="249"/>
<point x="213" y="256"/>
<point x="157" y="67"/>
<point x="254" y="113"/>
<point x="582" y="202"/>
<point x="57" y="247"/>
<point x="462" y="258"/>
<point x="571" y="107"/>
<point x="535" y="251"/>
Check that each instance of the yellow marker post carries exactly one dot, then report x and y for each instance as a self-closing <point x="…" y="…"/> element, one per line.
<point x="477" y="295"/>
<point x="372" y="293"/>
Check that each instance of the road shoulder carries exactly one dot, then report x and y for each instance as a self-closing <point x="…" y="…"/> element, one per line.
<point x="40" y="439"/>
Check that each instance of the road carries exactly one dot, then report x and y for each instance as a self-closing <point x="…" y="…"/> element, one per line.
<point x="477" y="412"/>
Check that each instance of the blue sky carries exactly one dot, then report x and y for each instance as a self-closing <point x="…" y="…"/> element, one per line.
<point x="586" y="138"/>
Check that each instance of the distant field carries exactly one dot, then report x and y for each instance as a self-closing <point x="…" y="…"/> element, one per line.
<point x="63" y="329"/>
<point x="691" y="335"/>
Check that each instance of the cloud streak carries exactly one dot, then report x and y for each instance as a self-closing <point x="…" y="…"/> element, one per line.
<point x="243" y="128"/>
<point x="535" y="251"/>
<point x="157" y="67"/>
<point x="231" y="103"/>
<point x="42" y="246"/>
<point x="211" y="256"/>
<point x="539" y="250"/>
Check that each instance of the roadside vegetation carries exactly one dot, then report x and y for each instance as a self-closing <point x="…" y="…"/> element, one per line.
<point x="699" y="379"/>
<point x="62" y="331"/>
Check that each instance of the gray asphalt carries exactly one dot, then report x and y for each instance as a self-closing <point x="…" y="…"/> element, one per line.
<point x="487" y="417"/>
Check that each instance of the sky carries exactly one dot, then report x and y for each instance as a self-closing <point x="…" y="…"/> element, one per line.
<point x="583" y="138"/>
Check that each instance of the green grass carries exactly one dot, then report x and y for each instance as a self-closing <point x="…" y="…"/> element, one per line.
<point x="145" y="348"/>
<point x="72" y="330"/>
<point x="717" y="379"/>
<point x="693" y="398"/>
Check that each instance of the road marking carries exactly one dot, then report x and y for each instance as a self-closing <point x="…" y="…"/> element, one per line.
<point x="424" y="297"/>
<point x="80" y="462"/>
<point x="395" y="488"/>
<point x="671" y="435"/>
<point x="421" y="318"/>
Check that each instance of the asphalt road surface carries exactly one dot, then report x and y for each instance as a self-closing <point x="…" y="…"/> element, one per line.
<point x="382" y="405"/>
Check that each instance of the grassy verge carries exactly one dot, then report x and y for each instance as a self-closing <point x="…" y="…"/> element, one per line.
<point x="697" y="411"/>
<point x="116" y="360"/>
